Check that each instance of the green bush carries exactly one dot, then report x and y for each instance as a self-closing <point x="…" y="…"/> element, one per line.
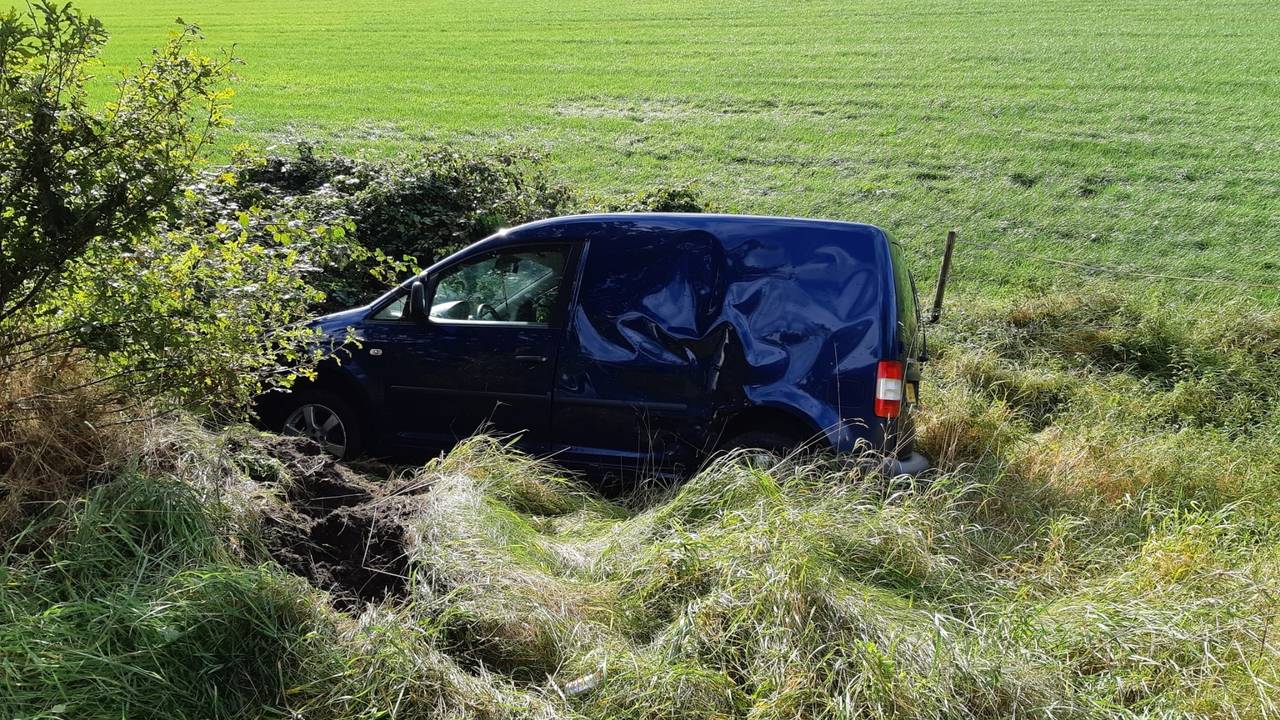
<point x="100" y="263"/>
<point x="75" y="177"/>
<point x="409" y="210"/>
<point x="683" y="198"/>
<point x="412" y="209"/>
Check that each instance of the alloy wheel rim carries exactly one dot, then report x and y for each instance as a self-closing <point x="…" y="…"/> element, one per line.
<point x="321" y="424"/>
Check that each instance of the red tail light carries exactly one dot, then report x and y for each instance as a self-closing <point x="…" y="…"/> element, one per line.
<point x="889" y="388"/>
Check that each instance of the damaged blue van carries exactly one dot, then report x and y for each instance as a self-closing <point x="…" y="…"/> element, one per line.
<point x="633" y="343"/>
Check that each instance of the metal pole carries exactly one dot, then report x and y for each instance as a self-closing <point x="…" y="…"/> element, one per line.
<point x="942" y="277"/>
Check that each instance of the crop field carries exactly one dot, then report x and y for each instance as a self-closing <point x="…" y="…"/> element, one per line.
<point x="1136" y="134"/>
<point x="1100" y="537"/>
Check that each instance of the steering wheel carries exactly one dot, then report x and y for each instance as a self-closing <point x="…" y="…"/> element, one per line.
<point x="484" y="309"/>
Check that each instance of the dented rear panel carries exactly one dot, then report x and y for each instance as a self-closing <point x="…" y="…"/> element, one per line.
<point x="680" y="321"/>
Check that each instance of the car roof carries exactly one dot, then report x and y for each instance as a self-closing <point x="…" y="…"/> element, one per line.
<point x="719" y="224"/>
<point x="703" y="221"/>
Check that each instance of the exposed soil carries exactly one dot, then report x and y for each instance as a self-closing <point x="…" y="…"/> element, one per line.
<point x="335" y="527"/>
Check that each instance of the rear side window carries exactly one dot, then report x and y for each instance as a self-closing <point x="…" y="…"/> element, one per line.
<point x="905" y="294"/>
<point x="638" y="289"/>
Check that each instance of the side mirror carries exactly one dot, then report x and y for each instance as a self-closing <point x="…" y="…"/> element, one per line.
<point x="418" y="301"/>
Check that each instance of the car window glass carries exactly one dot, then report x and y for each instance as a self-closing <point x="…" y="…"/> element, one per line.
<point x="908" y="314"/>
<point x="508" y="286"/>
<point x="394" y="311"/>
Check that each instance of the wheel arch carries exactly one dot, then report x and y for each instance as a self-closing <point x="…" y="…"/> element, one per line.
<point x="774" y="419"/>
<point x="338" y="380"/>
<point x="330" y="377"/>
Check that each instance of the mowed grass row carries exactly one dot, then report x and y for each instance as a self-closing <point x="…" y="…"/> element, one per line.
<point x="1136" y="134"/>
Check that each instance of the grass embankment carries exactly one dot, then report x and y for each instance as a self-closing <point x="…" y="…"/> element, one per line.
<point x="1104" y="541"/>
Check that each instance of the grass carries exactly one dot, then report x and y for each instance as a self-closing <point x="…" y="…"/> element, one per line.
<point x="1139" y="134"/>
<point x="1103" y="542"/>
<point x="1102" y="539"/>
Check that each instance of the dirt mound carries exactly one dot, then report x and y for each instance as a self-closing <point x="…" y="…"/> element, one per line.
<point x="330" y="524"/>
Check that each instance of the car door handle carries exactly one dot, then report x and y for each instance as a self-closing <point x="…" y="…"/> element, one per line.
<point x="532" y="358"/>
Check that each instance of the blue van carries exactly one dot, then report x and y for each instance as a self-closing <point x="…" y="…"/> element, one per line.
<point x="633" y="342"/>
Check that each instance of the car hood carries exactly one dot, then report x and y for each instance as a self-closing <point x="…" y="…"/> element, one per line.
<point x="337" y="323"/>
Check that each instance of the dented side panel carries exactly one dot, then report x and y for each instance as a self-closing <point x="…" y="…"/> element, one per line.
<point x="681" y="321"/>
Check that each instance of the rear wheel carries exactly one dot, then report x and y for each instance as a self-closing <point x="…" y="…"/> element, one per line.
<point x="328" y="420"/>
<point x="761" y="447"/>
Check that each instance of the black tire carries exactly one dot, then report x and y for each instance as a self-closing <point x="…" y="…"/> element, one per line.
<point x="349" y="421"/>
<point x="775" y="444"/>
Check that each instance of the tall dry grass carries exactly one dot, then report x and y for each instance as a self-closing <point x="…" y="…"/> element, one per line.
<point x="1101" y="540"/>
<point x="54" y="442"/>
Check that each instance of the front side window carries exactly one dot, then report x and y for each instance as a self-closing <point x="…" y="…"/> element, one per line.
<point x="508" y="286"/>
<point x="394" y="310"/>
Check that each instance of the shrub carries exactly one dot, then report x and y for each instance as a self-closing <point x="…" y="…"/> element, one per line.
<point x="663" y="198"/>
<point x="73" y="177"/>
<point x="410" y="210"/>
<point x="204" y="319"/>
<point x="100" y="262"/>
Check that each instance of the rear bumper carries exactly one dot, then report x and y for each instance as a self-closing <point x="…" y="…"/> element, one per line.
<point x="912" y="463"/>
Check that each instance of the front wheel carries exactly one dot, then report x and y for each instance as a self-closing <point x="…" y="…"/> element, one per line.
<point x="328" y="420"/>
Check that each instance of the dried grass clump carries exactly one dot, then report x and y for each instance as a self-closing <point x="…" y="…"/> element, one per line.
<point x="54" y="443"/>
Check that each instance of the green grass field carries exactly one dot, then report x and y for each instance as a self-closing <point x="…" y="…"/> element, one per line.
<point x="1101" y="538"/>
<point x="1138" y="134"/>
